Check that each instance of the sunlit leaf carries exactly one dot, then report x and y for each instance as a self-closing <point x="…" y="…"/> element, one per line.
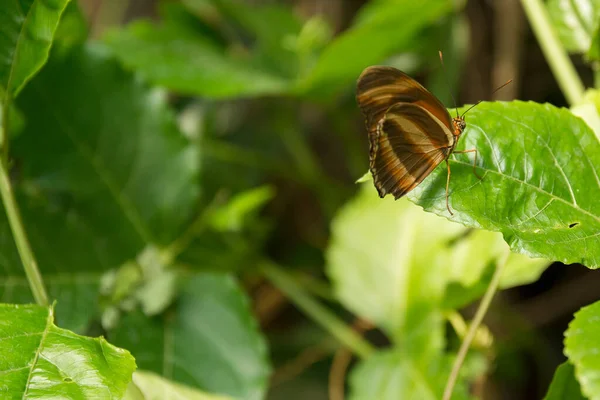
<point x="393" y="264"/>
<point x="394" y="375"/>
<point x="210" y="340"/>
<point x="149" y="386"/>
<point x="540" y="167"/>
<point x="564" y="386"/>
<point x="575" y="21"/>
<point x="582" y="349"/>
<point x="40" y="360"/>
<point x="26" y="31"/>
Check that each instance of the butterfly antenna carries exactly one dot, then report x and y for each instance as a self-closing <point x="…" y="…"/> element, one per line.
<point x="448" y="81"/>
<point x="498" y="88"/>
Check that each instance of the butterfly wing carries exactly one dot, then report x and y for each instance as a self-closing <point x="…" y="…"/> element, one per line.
<point x="409" y="129"/>
<point x="379" y="87"/>
<point x="410" y="142"/>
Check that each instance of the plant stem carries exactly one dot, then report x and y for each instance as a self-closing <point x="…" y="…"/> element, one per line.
<point x="481" y="311"/>
<point x="555" y="53"/>
<point x="331" y="323"/>
<point x="16" y="225"/>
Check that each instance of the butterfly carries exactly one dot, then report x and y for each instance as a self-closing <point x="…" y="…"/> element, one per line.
<point x="410" y="130"/>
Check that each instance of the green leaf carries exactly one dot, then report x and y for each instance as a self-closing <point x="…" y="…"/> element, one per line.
<point x="540" y="181"/>
<point x="564" y="386"/>
<point x="231" y="216"/>
<point x="387" y="266"/>
<point x="581" y="347"/>
<point x="40" y="360"/>
<point x="185" y="61"/>
<point x="575" y="22"/>
<point x="101" y="147"/>
<point x="26" y="31"/>
<point x="149" y="386"/>
<point x="209" y="341"/>
<point x="392" y="375"/>
<point x="398" y="267"/>
<point x="376" y="35"/>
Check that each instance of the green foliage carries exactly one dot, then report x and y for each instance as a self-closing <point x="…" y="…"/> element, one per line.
<point x="375" y="35"/>
<point x="40" y="360"/>
<point x="148" y="386"/>
<point x="539" y="185"/>
<point x="392" y="375"/>
<point x="581" y="346"/>
<point x="576" y="22"/>
<point x="26" y="31"/>
<point x="564" y="386"/>
<point x="156" y="170"/>
<point x="210" y="341"/>
<point x="119" y="150"/>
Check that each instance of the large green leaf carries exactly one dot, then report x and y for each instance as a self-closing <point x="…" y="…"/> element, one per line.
<point x="209" y="341"/>
<point x="540" y="167"/>
<point x="391" y="263"/>
<point x="41" y="361"/>
<point x="26" y="31"/>
<point x="583" y="349"/>
<point x="382" y="29"/>
<point x="564" y="386"/>
<point x="576" y="22"/>
<point x="392" y="375"/>
<point x="148" y="386"/>
<point x="183" y="59"/>
<point x="104" y="149"/>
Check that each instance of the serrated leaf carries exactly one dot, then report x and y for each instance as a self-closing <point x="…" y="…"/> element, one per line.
<point x="564" y="386"/>
<point x="26" y="31"/>
<point x="40" y="360"/>
<point x="185" y="61"/>
<point x="393" y="375"/>
<point x="575" y="22"/>
<point x="583" y="351"/>
<point x="540" y="167"/>
<point x="105" y="150"/>
<point x="149" y="386"/>
<point x="375" y="36"/>
<point x="209" y="341"/>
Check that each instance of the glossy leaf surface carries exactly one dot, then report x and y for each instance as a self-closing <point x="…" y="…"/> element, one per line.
<point x="540" y="167"/>
<point x="40" y="360"/>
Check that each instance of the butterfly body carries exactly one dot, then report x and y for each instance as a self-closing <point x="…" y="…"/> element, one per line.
<point x="410" y="130"/>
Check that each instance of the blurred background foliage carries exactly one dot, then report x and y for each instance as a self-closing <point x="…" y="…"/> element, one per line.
<point x="199" y="157"/>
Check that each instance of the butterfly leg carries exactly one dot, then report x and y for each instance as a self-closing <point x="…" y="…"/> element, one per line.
<point x="474" y="160"/>
<point x="447" y="187"/>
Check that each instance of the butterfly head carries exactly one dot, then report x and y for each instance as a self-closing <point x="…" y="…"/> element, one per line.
<point x="459" y="125"/>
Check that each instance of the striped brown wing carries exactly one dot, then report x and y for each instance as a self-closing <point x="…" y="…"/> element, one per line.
<point x="378" y="88"/>
<point x="410" y="141"/>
